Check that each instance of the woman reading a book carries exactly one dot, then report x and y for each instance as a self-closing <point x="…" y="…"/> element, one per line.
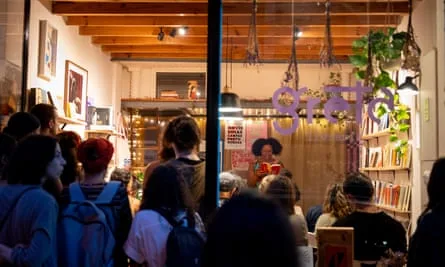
<point x="265" y="152"/>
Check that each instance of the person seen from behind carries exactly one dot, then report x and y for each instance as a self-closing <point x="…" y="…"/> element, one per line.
<point x="19" y="126"/>
<point x="335" y="206"/>
<point x="95" y="155"/>
<point x="376" y="234"/>
<point x="28" y="216"/>
<point x="185" y="138"/>
<point x="288" y="174"/>
<point x="427" y="244"/>
<point x="250" y="230"/>
<point x="281" y="190"/>
<point x="166" y="203"/>
<point x="230" y="185"/>
<point x="69" y="142"/>
<point x="167" y="153"/>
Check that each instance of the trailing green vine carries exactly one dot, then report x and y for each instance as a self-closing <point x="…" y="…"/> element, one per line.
<point x="385" y="49"/>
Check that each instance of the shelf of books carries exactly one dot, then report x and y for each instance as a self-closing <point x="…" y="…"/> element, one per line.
<point x="389" y="169"/>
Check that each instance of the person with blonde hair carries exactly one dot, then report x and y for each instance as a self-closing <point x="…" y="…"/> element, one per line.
<point x="335" y="206"/>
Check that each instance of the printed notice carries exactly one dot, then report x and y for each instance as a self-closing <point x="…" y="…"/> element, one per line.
<point x="235" y="137"/>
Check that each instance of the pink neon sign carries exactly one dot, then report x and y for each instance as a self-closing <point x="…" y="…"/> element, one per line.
<point x="333" y="104"/>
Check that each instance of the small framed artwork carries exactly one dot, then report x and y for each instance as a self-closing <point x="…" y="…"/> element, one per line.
<point x="76" y="82"/>
<point x="101" y="118"/>
<point x="47" y="51"/>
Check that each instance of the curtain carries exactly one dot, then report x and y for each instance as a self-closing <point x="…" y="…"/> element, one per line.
<point x="316" y="154"/>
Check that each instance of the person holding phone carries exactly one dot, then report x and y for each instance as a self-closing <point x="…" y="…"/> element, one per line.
<point x="266" y="162"/>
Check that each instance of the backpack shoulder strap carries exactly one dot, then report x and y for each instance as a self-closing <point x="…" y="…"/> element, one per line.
<point x="76" y="194"/>
<point x="12" y="207"/>
<point x="170" y="219"/>
<point x="107" y="194"/>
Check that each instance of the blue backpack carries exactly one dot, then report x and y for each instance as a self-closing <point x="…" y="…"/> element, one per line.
<point x="85" y="236"/>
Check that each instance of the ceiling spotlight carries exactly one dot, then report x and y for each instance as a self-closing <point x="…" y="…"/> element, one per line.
<point x="161" y="35"/>
<point x="173" y="32"/>
<point x="183" y="30"/>
<point x="298" y="33"/>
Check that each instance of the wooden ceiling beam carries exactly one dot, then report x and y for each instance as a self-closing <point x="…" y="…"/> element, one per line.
<point x="231" y="9"/>
<point x="239" y="31"/>
<point x="199" y="56"/>
<point x="301" y="49"/>
<point x="205" y="1"/>
<point x="202" y="41"/>
<point x="278" y="21"/>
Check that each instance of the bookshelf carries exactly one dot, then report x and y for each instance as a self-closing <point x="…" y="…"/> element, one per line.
<point x="389" y="169"/>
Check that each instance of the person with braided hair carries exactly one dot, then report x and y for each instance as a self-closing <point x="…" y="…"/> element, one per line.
<point x="335" y="206"/>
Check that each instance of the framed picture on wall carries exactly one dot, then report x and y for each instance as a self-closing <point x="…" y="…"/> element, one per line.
<point x="47" y="51"/>
<point x="76" y="82"/>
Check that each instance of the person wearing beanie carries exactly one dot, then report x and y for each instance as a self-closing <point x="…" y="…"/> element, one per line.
<point x="20" y="125"/>
<point x="95" y="154"/>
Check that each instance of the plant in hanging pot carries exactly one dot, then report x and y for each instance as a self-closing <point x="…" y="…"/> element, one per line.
<point x="333" y="81"/>
<point x="386" y="56"/>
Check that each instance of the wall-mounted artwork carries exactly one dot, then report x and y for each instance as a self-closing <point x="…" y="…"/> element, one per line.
<point x="76" y="82"/>
<point x="47" y="51"/>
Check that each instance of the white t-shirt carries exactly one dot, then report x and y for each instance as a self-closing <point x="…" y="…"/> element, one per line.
<point x="147" y="240"/>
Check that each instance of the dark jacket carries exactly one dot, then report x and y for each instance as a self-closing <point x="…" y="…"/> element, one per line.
<point x="427" y="246"/>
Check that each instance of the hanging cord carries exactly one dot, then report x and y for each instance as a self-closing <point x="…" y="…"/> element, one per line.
<point x="252" y="50"/>
<point x="327" y="58"/>
<point x="231" y="62"/>
<point x="226" y="88"/>
<point x="292" y="77"/>
<point x="411" y="50"/>
<point x="369" y="67"/>
<point x="389" y="11"/>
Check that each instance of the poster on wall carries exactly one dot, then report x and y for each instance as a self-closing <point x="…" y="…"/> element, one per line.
<point x="235" y="136"/>
<point x="76" y="81"/>
<point x="254" y="130"/>
<point x="47" y="51"/>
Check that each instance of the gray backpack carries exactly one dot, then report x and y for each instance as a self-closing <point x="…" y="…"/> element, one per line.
<point x="85" y="236"/>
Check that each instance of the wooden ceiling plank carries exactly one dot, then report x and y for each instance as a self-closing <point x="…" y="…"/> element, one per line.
<point x="202" y="41"/>
<point x="239" y="31"/>
<point x="202" y="49"/>
<point x="194" y="56"/>
<point x="229" y="9"/>
<point x="173" y="21"/>
<point x="225" y="1"/>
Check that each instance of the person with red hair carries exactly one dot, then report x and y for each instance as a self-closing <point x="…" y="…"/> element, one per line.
<point x="95" y="154"/>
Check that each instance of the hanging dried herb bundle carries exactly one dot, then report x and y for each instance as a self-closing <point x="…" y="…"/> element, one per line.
<point x="411" y="50"/>
<point x="327" y="58"/>
<point x="252" y="51"/>
<point x="291" y="76"/>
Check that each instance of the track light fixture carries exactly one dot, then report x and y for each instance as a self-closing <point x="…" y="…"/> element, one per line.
<point x="161" y="34"/>
<point x="183" y="30"/>
<point x="173" y="33"/>
<point x="298" y="33"/>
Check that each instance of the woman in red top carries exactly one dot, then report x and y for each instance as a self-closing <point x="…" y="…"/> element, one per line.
<point x="265" y="151"/>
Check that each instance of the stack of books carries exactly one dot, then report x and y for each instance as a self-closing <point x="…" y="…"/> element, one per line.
<point x="384" y="157"/>
<point x="371" y="127"/>
<point x="391" y="195"/>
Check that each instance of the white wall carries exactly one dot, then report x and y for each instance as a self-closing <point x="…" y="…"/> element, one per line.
<point x="248" y="82"/>
<point x="71" y="46"/>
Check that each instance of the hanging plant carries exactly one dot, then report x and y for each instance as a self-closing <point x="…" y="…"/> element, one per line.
<point x="327" y="58"/>
<point x="252" y="50"/>
<point x="372" y="55"/>
<point x="411" y="50"/>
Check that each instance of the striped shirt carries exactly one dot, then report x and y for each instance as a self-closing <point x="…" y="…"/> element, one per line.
<point x="121" y="212"/>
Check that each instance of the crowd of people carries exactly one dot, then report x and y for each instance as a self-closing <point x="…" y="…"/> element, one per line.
<point x="59" y="209"/>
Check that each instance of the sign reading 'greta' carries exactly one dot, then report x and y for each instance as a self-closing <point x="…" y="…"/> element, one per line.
<point x="333" y="104"/>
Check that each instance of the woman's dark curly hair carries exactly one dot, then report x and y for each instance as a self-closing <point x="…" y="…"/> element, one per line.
<point x="69" y="142"/>
<point x="259" y="143"/>
<point x="184" y="133"/>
